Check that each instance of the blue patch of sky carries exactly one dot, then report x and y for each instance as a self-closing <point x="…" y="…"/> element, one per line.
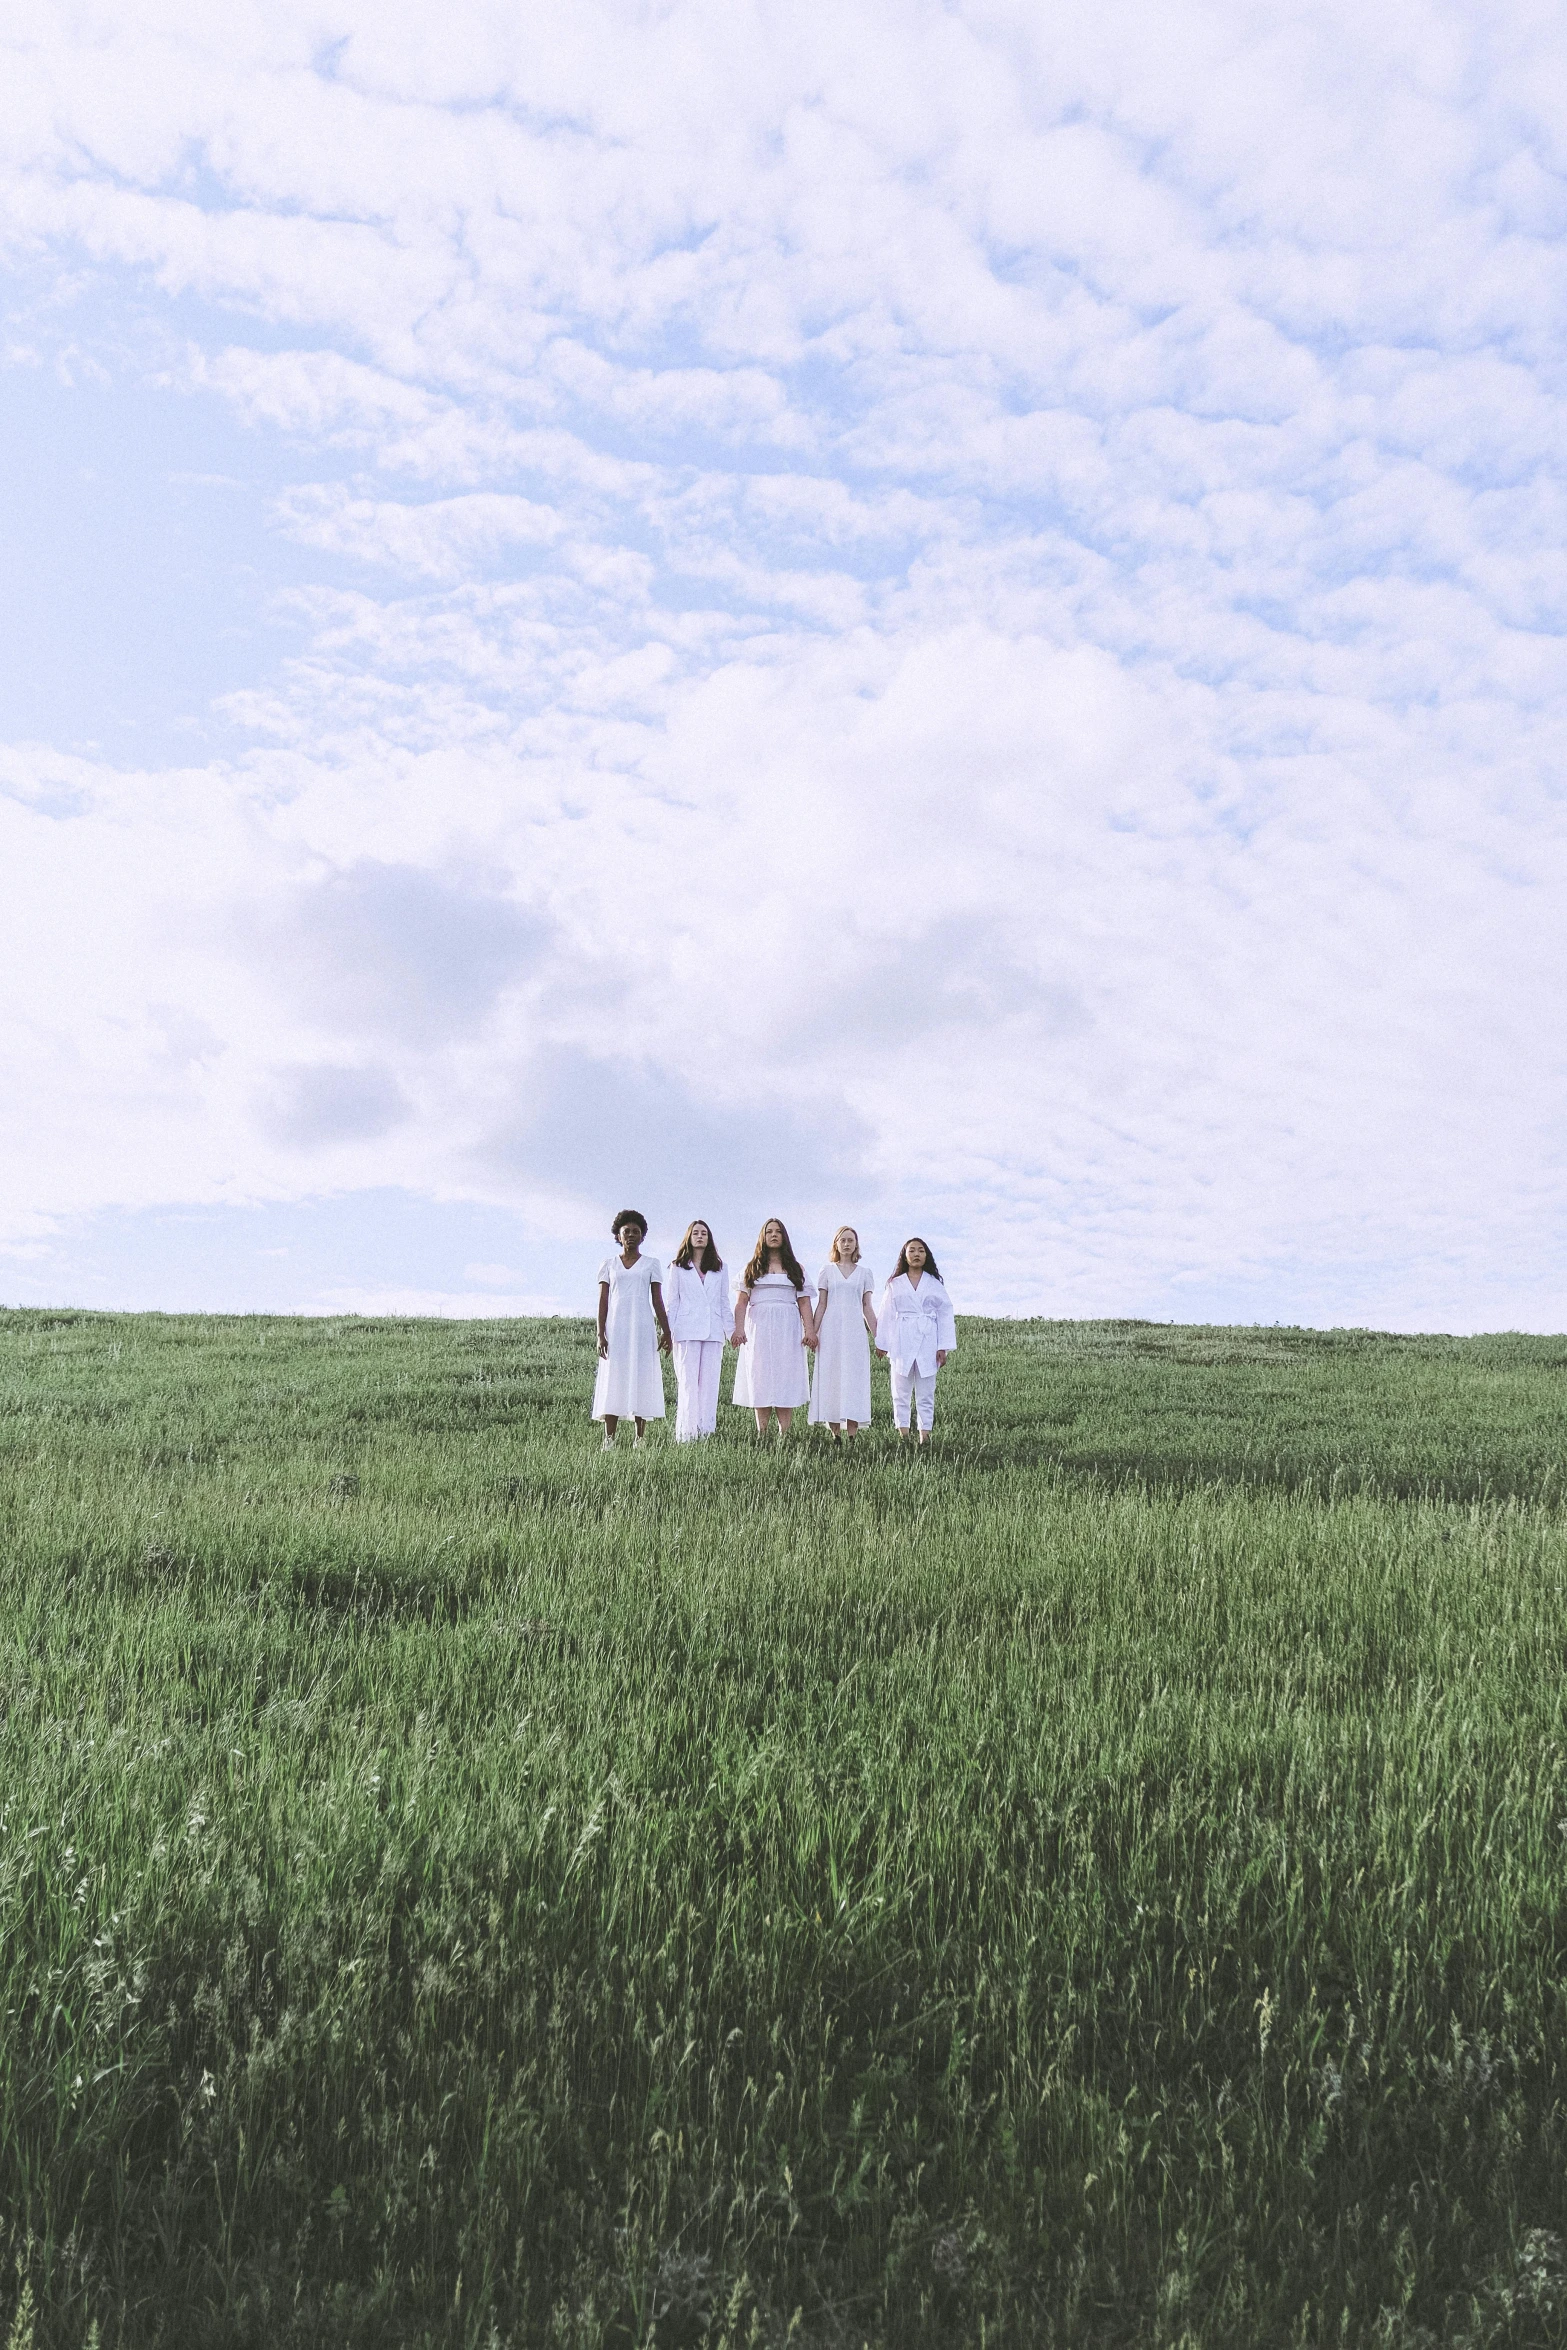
<point x="193" y="180"/>
<point x="142" y="572"/>
<point x="333" y="62"/>
<point x="680" y="443"/>
<point x="1310" y="620"/>
<point x="694" y="238"/>
<point x="147" y="574"/>
<point x="293" y="1257"/>
<point x="326" y="63"/>
<point x="137" y="567"/>
<point x="1018" y="265"/>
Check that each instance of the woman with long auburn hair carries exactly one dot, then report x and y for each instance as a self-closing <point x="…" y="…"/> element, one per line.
<point x="773" y="1328"/>
<point x="696" y="1293"/>
<point x="841" y="1384"/>
<point x="916" y="1330"/>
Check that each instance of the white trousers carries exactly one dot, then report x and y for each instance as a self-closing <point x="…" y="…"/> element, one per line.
<point x="697" y="1365"/>
<point x="920" y="1386"/>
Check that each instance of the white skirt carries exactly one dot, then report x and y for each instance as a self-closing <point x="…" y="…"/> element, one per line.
<point x="841" y="1387"/>
<point x="630" y="1381"/>
<point x="771" y="1367"/>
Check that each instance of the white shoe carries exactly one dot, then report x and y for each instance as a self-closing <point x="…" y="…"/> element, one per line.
<point x="636" y="1444"/>
<point x="608" y="1444"/>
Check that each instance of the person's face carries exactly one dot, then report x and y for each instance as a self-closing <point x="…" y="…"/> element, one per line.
<point x="918" y="1255"/>
<point x="700" y="1236"/>
<point x="845" y="1242"/>
<point x="631" y="1236"/>
<point x="772" y="1234"/>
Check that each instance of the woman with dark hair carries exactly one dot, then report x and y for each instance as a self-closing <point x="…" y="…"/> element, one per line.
<point x="700" y="1316"/>
<point x="632" y="1328"/>
<point x="916" y="1330"/>
<point x="773" y="1328"/>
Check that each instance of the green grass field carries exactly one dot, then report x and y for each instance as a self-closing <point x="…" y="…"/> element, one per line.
<point x="1102" y="1882"/>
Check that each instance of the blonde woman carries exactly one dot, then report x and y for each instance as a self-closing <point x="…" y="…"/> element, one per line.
<point x="841" y="1387"/>
<point x="773" y="1328"/>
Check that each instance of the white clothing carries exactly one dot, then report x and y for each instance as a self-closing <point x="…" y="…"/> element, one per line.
<point x="630" y="1382"/>
<point x="841" y="1383"/>
<point x="920" y="1386"/>
<point x="698" y="1362"/>
<point x="914" y="1324"/>
<point x="698" y="1303"/>
<point x="771" y="1368"/>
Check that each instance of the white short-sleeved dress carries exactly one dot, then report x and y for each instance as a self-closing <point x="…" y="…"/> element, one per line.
<point x="630" y="1382"/>
<point x="770" y="1369"/>
<point x="841" y="1387"/>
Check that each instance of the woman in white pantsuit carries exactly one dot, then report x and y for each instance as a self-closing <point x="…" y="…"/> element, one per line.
<point x="696" y="1296"/>
<point x="916" y="1330"/>
<point x="841" y="1382"/>
<point x="632" y="1328"/>
<point x="773" y="1328"/>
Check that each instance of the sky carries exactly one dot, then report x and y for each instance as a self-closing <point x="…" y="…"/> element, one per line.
<point x="948" y="617"/>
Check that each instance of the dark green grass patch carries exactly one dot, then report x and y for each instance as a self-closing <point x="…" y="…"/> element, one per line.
<point x="1101" y="1882"/>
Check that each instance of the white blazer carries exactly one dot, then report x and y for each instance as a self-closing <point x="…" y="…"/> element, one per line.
<point x="697" y="1303"/>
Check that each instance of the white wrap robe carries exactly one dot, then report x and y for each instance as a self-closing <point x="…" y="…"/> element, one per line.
<point x="914" y="1323"/>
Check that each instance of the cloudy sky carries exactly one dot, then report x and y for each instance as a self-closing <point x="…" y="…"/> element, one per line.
<point x="944" y="615"/>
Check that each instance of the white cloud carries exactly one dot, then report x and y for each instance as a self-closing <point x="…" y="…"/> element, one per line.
<point x="960" y="602"/>
<point x="319" y="1103"/>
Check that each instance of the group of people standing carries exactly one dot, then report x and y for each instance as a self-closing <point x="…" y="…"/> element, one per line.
<point x="774" y="1326"/>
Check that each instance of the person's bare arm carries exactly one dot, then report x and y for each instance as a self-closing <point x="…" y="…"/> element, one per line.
<point x="807" y="1319"/>
<point x="869" y="1311"/>
<point x="664" y="1339"/>
<point x="603" y="1317"/>
<point x="741" y="1302"/>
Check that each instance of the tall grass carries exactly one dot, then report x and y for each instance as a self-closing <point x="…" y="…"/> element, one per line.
<point x="1100" y="1882"/>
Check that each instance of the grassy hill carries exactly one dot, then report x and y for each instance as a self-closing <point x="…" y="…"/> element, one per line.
<point x="1104" y="1881"/>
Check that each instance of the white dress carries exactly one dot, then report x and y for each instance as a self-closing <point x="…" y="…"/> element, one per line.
<point x="841" y="1388"/>
<point x="771" y="1367"/>
<point x="630" y="1382"/>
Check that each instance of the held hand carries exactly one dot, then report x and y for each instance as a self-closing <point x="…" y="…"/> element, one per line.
<point x="941" y="1356"/>
<point x="739" y="1338"/>
<point x="882" y="1352"/>
<point x="666" y="1344"/>
<point x="603" y="1348"/>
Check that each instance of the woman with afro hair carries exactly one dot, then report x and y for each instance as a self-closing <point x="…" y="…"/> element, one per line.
<point x="632" y="1328"/>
